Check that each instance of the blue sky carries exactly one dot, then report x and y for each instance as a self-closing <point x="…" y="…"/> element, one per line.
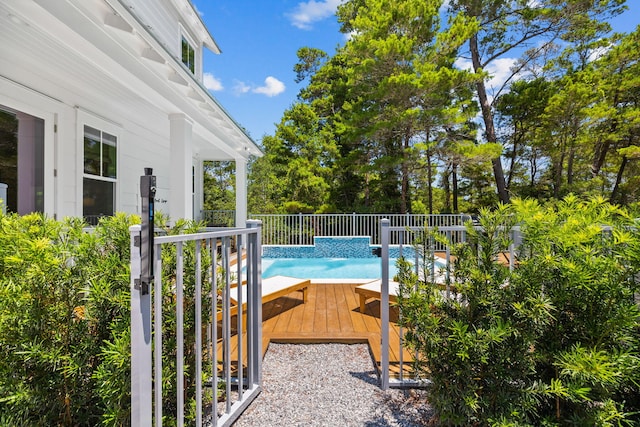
<point x="253" y="77"/>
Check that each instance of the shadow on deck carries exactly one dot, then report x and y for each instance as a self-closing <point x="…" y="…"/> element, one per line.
<point x="330" y="315"/>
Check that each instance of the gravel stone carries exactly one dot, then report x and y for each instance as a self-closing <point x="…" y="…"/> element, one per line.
<point x="329" y="385"/>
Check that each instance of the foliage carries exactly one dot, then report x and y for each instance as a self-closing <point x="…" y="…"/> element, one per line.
<point x="64" y="321"/>
<point x="450" y="106"/>
<point x="553" y="342"/>
<point x="65" y="356"/>
<point x="219" y="183"/>
<point x="169" y="317"/>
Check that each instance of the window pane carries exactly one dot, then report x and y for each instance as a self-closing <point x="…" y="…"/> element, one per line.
<point x="109" y="155"/>
<point x="91" y="151"/>
<point x="185" y="52"/>
<point x="98" y="197"/>
<point x="22" y="151"/>
<point x="188" y="55"/>
<point x="192" y="60"/>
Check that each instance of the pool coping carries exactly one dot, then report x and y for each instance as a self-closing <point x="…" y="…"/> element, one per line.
<point x="341" y="281"/>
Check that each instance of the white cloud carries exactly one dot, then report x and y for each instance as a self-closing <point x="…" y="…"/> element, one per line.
<point x="350" y="35"/>
<point x="463" y="64"/>
<point x="599" y="52"/>
<point x="272" y="87"/>
<point x="240" y="87"/>
<point x="499" y="70"/>
<point x="306" y="13"/>
<point x="211" y="82"/>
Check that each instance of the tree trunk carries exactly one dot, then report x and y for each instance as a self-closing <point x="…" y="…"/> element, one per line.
<point x="599" y="157"/>
<point x="487" y="116"/>
<point x="614" y="192"/>
<point x="557" y="176"/>
<point x="533" y="169"/>
<point x="572" y="154"/>
<point x="404" y="208"/>
<point x="429" y="183"/>
<point x="454" y="180"/>
<point x="512" y="165"/>
<point x="603" y="148"/>
<point x="447" y="190"/>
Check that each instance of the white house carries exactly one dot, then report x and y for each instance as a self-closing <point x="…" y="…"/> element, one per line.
<point x="94" y="91"/>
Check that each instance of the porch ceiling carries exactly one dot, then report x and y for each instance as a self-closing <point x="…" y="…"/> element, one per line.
<point x="95" y="53"/>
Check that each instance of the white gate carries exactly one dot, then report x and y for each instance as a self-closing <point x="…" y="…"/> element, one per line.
<point x="221" y="387"/>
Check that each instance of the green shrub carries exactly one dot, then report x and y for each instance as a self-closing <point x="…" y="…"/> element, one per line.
<point x="64" y="305"/>
<point x="65" y="354"/>
<point x="555" y="342"/>
<point x="169" y="341"/>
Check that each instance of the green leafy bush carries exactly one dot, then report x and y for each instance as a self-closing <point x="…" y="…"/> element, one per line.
<point x="553" y="342"/>
<point x="64" y="321"/>
<point x="65" y="353"/>
<point x="169" y="340"/>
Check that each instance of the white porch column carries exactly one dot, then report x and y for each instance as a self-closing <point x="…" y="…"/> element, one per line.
<point x="181" y="164"/>
<point x="241" y="191"/>
<point x="198" y="198"/>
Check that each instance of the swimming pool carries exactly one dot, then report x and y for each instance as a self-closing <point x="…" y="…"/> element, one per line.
<point x="326" y="268"/>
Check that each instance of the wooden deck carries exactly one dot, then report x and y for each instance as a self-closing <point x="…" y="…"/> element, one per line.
<point x="331" y="314"/>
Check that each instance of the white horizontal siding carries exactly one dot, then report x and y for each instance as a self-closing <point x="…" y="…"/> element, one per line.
<point x="165" y="23"/>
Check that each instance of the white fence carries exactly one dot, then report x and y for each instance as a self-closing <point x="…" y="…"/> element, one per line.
<point x="300" y="229"/>
<point x="209" y="318"/>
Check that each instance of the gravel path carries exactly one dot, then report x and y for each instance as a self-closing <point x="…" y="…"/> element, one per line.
<point x="329" y="385"/>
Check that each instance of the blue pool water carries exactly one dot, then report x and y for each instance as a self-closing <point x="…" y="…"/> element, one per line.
<point x="326" y="268"/>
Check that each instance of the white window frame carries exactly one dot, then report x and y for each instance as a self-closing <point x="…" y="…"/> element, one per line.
<point x="184" y="34"/>
<point x="84" y="118"/>
<point x="35" y="104"/>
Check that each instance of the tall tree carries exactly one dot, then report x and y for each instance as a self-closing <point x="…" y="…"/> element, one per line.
<point x="219" y="185"/>
<point x="518" y="116"/>
<point x="506" y="26"/>
<point x="396" y="106"/>
<point x="302" y="155"/>
<point x="616" y="117"/>
<point x="328" y="95"/>
<point x="400" y="82"/>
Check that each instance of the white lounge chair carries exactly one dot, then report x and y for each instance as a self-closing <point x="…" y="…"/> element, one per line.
<point x="373" y="290"/>
<point x="273" y="288"/>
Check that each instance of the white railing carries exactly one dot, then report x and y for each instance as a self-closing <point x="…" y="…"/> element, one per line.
<point x="300" y="229"/>
<point x="405" y="236"/>
<point x="209" y="313"/>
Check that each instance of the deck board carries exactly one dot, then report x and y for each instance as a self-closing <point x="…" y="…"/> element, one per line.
<point x="320" y="310"/>
<point x="331" y="314"/>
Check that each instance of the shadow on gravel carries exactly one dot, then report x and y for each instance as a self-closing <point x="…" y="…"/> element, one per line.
<point x="409" y="407"/>
<point x="380" y="422"/>
<point x="369" y="377"/>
